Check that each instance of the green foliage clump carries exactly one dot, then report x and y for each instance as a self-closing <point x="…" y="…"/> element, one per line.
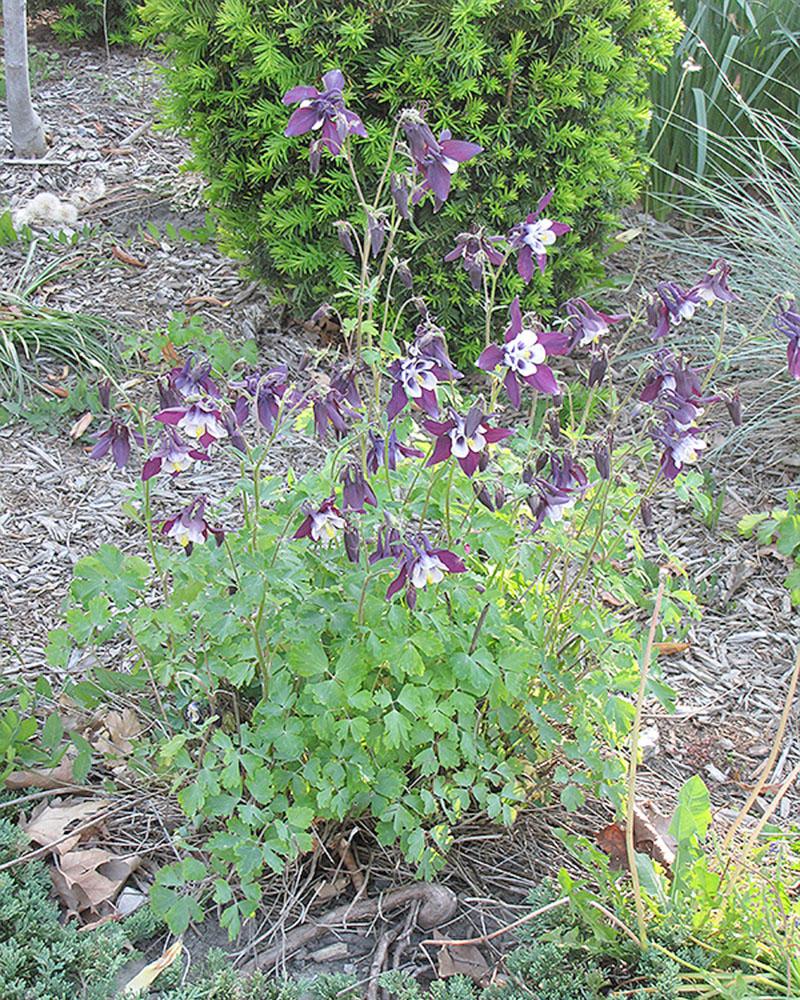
<point x="780" y="527"/>
<point x="555" y="91"/>
<point x="90" y="19"/>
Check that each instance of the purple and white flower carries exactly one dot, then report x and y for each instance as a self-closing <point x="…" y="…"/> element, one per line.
<point x="190" y="527"/>
<point x="523" y="355"/>
<point x="201" y="421"/>
<point x="193" y="382"/>
<point x="475" y="249"/>
<point x="382" y="451"/>
<point x="419" y="566"/>
<point x="116" y="438"/>
<point x="681" y="447"/>
<point x="324" y="112"/>
<point x="172" y="457"/>
<point x="670" y="306"/>
<point x="533" y="237"/>
<point x="322" y="524"/>
<point x="436" y="160"/>
<point x="713" y="286"/>
<point x="415" y="381"/>
<point x="787" y="322"/>
<point x="465" y="438"/>
<point x="356" y="491"/>
<point x="587" y="326"/>
<point x="266" y="390"/>
<point x="556" y="495"/>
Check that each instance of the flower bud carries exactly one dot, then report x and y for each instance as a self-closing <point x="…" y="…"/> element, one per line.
<point x="499" y="498"/>
<point x="404" y="274"/>
<point x="398" y="185"/>
<point x="376" y="227"/>
<point x="554" y="426"/>
<point x="482" y="496"/>
<point x="602" y="459"/>
<point x="734" y="406"/>
<point x="352" y="544"/>
<point x="646" y="512"/>
<point x="597" y="370"/>
<point x="104" y="391"/>
<point x="343" y="230"/>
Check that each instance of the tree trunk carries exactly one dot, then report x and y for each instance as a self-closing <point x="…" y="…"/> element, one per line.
<point x="27" y="135"/>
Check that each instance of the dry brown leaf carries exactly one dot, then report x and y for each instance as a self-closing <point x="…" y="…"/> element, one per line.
<point x="87" y="878"/>
<point x="671" y="648"/>
<point x="117" y="150"/>
<point x="330" y="890"/>
<point x="127" y="258"/>
<point x="80" y="426"/>
<point x="52" y="821"/>
<point x="55" y="390"/>
<point x="118" y="730"/>
<point x="169" y="353"/>
<point x="650" y="837"/>
<point x="210" y="300"/>
<point x="51" y="777"/>
<point x="465" y="960"/>
<point x="611" y="599"/>
<point x="144" y="979"/>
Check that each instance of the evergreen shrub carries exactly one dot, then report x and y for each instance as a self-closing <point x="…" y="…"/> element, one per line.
<point x="554" y="90"/>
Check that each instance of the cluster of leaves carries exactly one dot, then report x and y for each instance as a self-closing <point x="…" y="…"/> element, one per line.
<point x="114" y="20"/>
<point x="555" y="93"/>
<point x="781" y="528"/>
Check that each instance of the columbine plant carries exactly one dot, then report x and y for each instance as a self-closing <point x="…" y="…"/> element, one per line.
<point x="406" y="631"/>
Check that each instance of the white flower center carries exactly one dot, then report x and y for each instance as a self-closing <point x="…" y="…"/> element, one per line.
<point x="416" y="375"/>
<point x="197" y="422"/>
<point x="325" y="525"/>
<point x="462" y="445"/>
<point x="539" y="235"/>
<point x="524" y="353"/>
<point x="185" y="533"/>
<point x="176" y="462"/>
<point x="687" y="450"/>
<point x="592" y="330"/>
<point x="427" y="569"/>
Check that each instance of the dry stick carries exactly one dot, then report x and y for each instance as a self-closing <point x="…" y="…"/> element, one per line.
<point x="630" y="848"/>
<point x="376" y="968"/>
<point x="787" y="784"/>
<point x="773" y="756"/>
<point x="502" y="930"/>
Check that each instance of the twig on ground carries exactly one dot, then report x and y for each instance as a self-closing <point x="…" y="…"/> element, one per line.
<point x="378" y="961"/>
<point x="502" y="930"/>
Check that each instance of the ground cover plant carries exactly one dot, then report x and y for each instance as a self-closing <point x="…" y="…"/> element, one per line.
<point x="555" y="93"/>
<point x="441" y="618"/>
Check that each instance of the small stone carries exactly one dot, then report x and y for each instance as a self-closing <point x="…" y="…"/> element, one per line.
<point x="330" y="953"/>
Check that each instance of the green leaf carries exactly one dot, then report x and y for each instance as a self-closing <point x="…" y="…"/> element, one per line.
<point x="692" y="816"/>
<point x="307" y="658"/>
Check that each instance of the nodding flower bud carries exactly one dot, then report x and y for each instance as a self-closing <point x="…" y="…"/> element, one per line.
<point x="343" y="231"/>
<point x="598" y="369"/>
<point x="104" y="392"/>
<point x="734" y="406"/>
<point x="419" y="304"/>
<point x="325" y="311"/>
<point x="499" y="498"/>
<point x="482" y="496"/>
<point x="646" y="512"/>
<point x="527" y="475"/>
<point x="542" y="461"/>
<point x="554" y="426"/>
<point x="404" y="274"/>
<point x="400" y="189"/>
<point x="376" y="227"/>
<point x="602" y="459"/>
<point x="558" y="400"/>
<point x="483" y="461"/>
<point x="352" y="544"/>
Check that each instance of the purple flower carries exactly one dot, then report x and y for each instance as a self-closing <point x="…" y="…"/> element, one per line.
<point x="400" y="188"/>
<point x="415" y="381"/>
<point x="681" y="447"/>
<point x="671" y="375"/>
<point x="557" y="494"/>
<point x="787" y="322"/>
<point x="376" y="227"/>
<point x="388" y="544"/>
<point x="190" y="527"/>
<point x="193" y="383"/>
<point x="465" y="438"/>
<point x="171" y="457"/>
<point x="356" y="491"/>
<point x="379" y="451"/>
<point x="713" y="286"/>
<point x="323" y="111"/>
<point x="430" y="343"/>
<point x="523" y="355"/>
<point x="345" y="233"/>
<point x="670" y="306"/>
<point x="436" y="159"/>
<point x="335" y="410"/>
<point x="323" y="523"/>
<point x="475" y="249"/>
<point x="602" y="455"/>
<point x="266" y="391"/>
<point x="419" y="566"/>
<point x="533" y="236"/>
<point x="201" y="421"/>
<point x="116" y="437"/>
<point x="586" y="326"/>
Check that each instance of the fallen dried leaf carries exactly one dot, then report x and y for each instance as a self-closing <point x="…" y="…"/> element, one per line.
<point x="210" y="300"/>
<point x="650" y="837"/>
<point x="126" y="258"/>
<point x="51" y="777"/>
<point x="80" y="426"/>
<point x="87" y="878"/>
<point x="144" y="979"/>
<point x="671" y="648"/>
<point x="169" y="353"/>
<point x="117" y="732"/>
<point x="50" y="823"/>
<point x="55" y="390"/>
<point x="466" y="960"/>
